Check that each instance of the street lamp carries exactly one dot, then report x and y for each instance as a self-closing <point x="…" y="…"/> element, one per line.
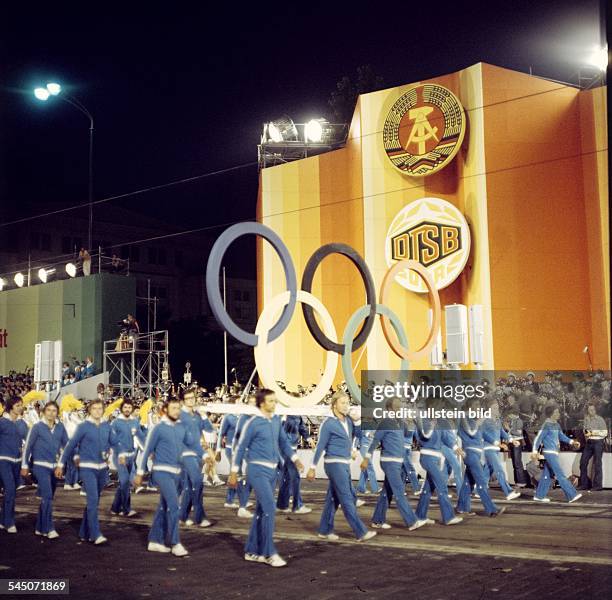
<point x="55" y="89"/>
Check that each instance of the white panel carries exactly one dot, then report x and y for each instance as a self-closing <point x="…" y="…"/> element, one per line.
<point x="456" y="334"/>
<point x="57" y="362"/>
<point x="436" y="357"/>
<point x="46" y="361"/>
<point x="477" y="334"/>
<point x="37" y="361"/>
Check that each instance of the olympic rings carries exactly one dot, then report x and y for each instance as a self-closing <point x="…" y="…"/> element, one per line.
<point x="397" y="347"/>
<point x="212" y="280"/>
<point x="368" y="281"/>
<point x="262" y="356"/>
<point x="351" y="326"/>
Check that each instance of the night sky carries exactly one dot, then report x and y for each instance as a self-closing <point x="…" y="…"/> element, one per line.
<point x="177" y="92"/>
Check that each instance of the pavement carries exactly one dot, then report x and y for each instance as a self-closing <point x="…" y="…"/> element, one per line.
<point x="533" y="550"/>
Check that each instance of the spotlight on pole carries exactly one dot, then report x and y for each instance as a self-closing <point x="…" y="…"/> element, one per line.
<point x="71" y="269"/>
<point x="54" y="88"/>
<point x="42" y="93"/>
<point x="2" y="283"/>
<point x="43" y="274"/>
<point x="315" y="130"/>
<point x="282" y="130"/>
<point x="19" y="279"/>
<point x="599" y="59"/>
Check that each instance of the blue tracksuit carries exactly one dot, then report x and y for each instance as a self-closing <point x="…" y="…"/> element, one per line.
<point x="43" y="447"/>
<point x="336" y="441"/>
<point x="470" y="433"/>
<point x="390" y="436"/>
<point x="450" y="444"/>
<point x="228" y="431"/>
<point x="12" y="434"/>
<point x="123" y="432"/>
<point x="492" y="434"/>
<point x="432" y="460"/>
<point x="193" y="481"/>
<point x="262" y="443"/>
<point x="548" y="437"/>
<point x="244" y="489"/>
<point x="364" y="439"/>
<point x="166" y="441"/>
<point x="91" y="443"/>
<point x="408" y="471"/>
<point x="295" y="428"/>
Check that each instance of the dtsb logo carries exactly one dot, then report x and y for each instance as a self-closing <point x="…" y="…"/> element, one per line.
<point x="426" y="243"/>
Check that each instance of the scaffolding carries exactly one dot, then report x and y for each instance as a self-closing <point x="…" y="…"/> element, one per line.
<point x="138" y="364"/>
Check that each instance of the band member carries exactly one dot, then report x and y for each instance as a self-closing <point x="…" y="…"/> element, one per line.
<point x="226" y="438"/>
<point x="262" y="442"/>
<point x="390" y="436"/>
<point x="515" y="447"/>
<point x="193" y="454"/>
<point x="166" y="442"/>
<point x="12" y="435"/>
<point x="450" y="449"/>
<point x="364" y="438"/>
<point x="595" y="432"/>
<point x="244" y="488"/>
<point x="409" y="473"/>
<point x="124" y="429"/>
<point x="71" y="420"/>
<point x="548" y="437"/>
<point x="295" y="428"/>
<point x="432" y="460"/>
<point x="43" y="447"/>
<point x="336" y="441"/>
<point x="470" y="432"/>
<point x="91" y="444"/>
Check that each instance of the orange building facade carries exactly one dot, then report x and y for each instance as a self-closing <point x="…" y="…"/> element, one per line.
<point x="530" y="178"/>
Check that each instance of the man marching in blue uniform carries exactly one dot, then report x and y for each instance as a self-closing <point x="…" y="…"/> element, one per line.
<point x="336" y="441"/>
<point x="124" y="430"/>
<point x="409" y="473"/>
<point x="262" y="442"/>
<point x="90" y="446"/>
<point x="166" y="442"/>
<point x="243" y="488"/>
<point x="12" y="433"/>
<point x="44" y="444"/>
<point x="226" y="435"/>
<point x="548" y="438"/>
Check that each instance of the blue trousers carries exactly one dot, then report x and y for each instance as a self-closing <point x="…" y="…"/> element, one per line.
<point x="435" y="480"/>
<point x="47" y="483"/>
<point x="474" y="476"/>
<point x="493" y="459"/>
<point x="193" y="490"/>
<point x="409" y="472"/>
<point x="94" y="481"/>
<point x="552" y="466"/>
<point x="263" y="481"/>
<point x="367" y="476"/>
<point x="453" y="465"/>
<point x="9" y="475"/>
<point x="122" y="501"/>
<point x="231" y="492"/>
<point x="393" y="485"/>
<point x="340" y="492"/>
<point x="165" y="525"/>
<point x="72" y="473"/>
<point x="289" y="486"/>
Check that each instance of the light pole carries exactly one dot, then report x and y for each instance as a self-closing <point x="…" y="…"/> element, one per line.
<point x="55" y="89"/>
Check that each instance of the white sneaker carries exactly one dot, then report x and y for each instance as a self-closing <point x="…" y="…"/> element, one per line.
<point x="455" y="520"/>
<point x="11" y="529"/>
<point x="513" y="495"/>
<point x="541" y="499"/>
<point x="381" y="525"/>
<point x="417" y="524"/>
<point x="254" y="557"/>
<point x="132" y="513"/>
<point x="429" y="522"/>
<point x="76" y="486"/>
<point x="359" y="502"/>
<point x="576" y="497"/>
<point x="244" y="513"/>
<point x="155" y="547"/>
<point x="52" y="535"/>
<point x="82" y="493"/>
<point x="275" y="561"/>
<point x="100" y="540"/>
<point x="187" y="523"/>
<point x="179" y="550"/>
<point x="205" y="523"/>
<point x="331" y="537"/>
<point x="368" y="535"/>
<point x="417" y="493"/>
<point x="20" y="487"/>
<point x="218" y="482"/>
<point x="2" y="527"/>
<point x="115" y="514"/>
<point x="67" y="486"/>
<point x="249" y="504"/>
<point x="303" y="510"/>
<point x="39" y="533"/>
<point x="282" y="510"/>
<point x="139" y="489"/>
<point x="231" y="505"/>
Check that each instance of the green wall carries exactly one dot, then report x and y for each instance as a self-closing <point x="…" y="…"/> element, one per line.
<point x="82" y="312"/>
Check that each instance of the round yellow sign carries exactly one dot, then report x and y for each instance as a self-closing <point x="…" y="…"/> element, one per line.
<point x="424" y="130"/>
<point x="434" y="233"/>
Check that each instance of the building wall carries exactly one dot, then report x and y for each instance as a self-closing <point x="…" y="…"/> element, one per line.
<point x="531" y="179"/>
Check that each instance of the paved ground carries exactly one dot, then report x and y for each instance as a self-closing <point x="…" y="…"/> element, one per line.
<point x="533" y="551"/>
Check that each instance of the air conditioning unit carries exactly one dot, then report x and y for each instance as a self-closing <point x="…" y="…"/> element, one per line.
<point x="456" y="317"/>
<point x="477" y="353"/>
<point x="436" y="356"/>
<point x="46" y="360"/>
